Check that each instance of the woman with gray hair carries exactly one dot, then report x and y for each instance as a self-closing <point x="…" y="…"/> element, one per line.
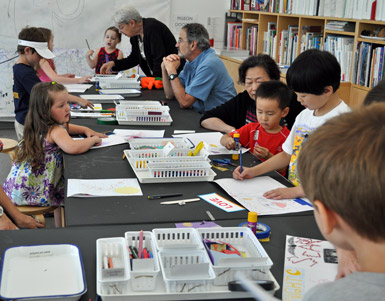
<point x="150" y="39"/>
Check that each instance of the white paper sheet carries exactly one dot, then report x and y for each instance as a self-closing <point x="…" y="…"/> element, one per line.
<point x="101" y="97"/>
<point x="109" y="141"/>
<point x="308" y="262"/>
<point x="77" y="88"/>
<point x="77" y="108"/>
<point x="103" y="187"/>
<point x="212" y="140"/>
<point x="249" y="193"/>
<point x="119" y="91"/>
<point x="90" y="114"/>
<point x="128" y="134"/>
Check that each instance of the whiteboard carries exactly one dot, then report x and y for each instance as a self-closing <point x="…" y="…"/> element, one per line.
<point x="72" y="22"/>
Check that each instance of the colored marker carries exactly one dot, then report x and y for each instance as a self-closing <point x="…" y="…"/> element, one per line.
<point x="162" y="196"/>
<point x="88" y="45"/>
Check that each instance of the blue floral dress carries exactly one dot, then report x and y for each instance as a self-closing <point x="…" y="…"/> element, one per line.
<point x="38" y="187"/>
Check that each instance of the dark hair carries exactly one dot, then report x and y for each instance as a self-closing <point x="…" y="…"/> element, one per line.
<point x="341" y="164"/>
<point x="312" y="71"/>
<point x="261" y="60"/>
<point x="118" y="34"/>
<point x="275" y="90"/>
<point x="197" y="32"/>
<point x="47" y="33"/>
<point x="376" y="94"/>
<point x="38" y="122"/>
<point x="32" y="34"/>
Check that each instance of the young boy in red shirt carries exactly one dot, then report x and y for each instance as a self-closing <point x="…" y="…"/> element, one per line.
<point x="265" y="137"/>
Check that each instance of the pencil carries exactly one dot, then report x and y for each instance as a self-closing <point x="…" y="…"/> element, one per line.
<point x="88" y="45"/>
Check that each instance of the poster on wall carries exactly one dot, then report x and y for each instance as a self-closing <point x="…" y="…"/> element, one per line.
<point x="72" y="23"/>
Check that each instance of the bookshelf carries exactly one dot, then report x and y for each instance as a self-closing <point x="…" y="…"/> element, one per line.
<point x="352" y="89"/>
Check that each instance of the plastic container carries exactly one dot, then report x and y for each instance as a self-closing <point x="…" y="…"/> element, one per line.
<point x="179" y="169"/>
<point x="177" y="238"/>
<point x="143" y="114"/>
<point x="112" y="264"/>
<point x="255" y="265"/>
<point x="159" y="143"/>
<point x="144" y="272"/>
<point x="186" y="271"/>
<point x="122" y="83"/>
<point x="33" y="273"/>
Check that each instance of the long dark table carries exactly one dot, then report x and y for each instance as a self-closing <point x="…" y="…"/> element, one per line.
<point x="108" y="163"/>
<point x="112" y="216"/>
<point x="85" y="238"/>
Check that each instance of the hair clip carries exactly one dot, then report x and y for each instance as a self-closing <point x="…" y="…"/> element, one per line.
<point x="53" y="83"/>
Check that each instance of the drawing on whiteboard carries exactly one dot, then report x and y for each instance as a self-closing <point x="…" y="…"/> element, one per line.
<point x="71" y="22"/>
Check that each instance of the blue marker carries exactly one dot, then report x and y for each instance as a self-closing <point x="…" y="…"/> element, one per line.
<point x="240" y="159"/>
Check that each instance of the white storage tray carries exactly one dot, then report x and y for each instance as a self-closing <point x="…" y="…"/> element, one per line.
<point x="159" y="143"/>
<point x="113" y="248"/>
<point x="255" y="265"/>
<point x="145" y="271"/>
<point x="186" y="270"/>
<point x="177" y="238"/>
<point x="122" y="83"/>
<point x="33" y="273"/>
<point x="160" y="293"/>
<point x="145" y="176"/>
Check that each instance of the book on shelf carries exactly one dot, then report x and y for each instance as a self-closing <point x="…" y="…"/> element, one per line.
<point x="310" y="37"/>
<point x="269" y="39"/>
<point x="233" y="36"/>
<point x="340" y="26"/>
<point x="291" y="48"/>
<point x="363" y="65"/>
<point x="283" y="42"/>
<point x="251" y="39"/>
<point x="231" y="18"/>
<point x="342" y="48"/>
<point x="349" y="9"/>
<point x="257" y="5"/>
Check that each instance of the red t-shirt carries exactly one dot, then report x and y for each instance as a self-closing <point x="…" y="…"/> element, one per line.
<point x="253" y="133"/>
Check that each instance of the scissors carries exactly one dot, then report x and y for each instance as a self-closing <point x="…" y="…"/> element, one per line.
<point x="224" y="162"/>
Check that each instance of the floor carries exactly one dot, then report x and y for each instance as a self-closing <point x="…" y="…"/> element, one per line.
<point x="7" y="130"/>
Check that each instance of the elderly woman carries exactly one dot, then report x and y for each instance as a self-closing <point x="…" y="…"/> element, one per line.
<point x="150" y="39"/>
<point x="241" y="109"/>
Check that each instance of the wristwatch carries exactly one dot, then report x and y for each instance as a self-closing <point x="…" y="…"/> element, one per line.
<point x="172" y="76"/>
<point x="1" y="211"/>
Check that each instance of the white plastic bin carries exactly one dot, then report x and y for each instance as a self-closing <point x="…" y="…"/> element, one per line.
<point x="144" y="273"/>
<point x="256" y="264"/>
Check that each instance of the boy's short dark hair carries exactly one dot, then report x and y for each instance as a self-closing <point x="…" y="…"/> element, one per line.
<point x="263" y="61"/>
<point x="275" y="90"/>
<point x="33" y="34"/>
<point x="312" y="71"/>
<point x="342" y="165"/>
<point x="376" y="94"/>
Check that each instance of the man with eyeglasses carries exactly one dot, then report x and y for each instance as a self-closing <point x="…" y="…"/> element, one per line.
<point x="150" y="40"/>
<point x="204" y="82"/>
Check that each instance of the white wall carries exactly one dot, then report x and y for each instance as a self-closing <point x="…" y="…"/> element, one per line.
<point x="73" y="21"/>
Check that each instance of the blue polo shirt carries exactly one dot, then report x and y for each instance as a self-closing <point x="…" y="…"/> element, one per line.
<point x="24" y="78"/>
<point x="207" y="79"/>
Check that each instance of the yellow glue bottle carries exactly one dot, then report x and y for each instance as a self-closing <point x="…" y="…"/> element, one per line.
<point x="235" y="155"/>
<point x="252" y="221"/>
